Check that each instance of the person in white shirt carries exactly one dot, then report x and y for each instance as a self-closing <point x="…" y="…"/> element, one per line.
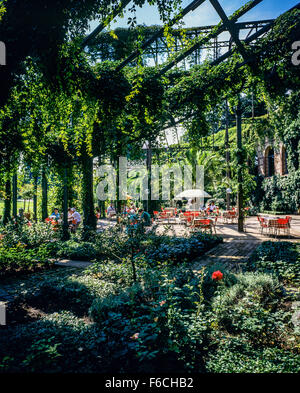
<point x="132" y="209"/>
<point x="70" y="213"/>
<point x="76" y="219"/>
<point x="212" y="207"/>
<point x="111" y="211"/>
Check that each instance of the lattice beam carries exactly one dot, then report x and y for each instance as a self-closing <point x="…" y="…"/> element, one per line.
<point x="231" y="27"/>
<point x="220" y="29"/>
<point x="102" y="25"/>
<point x="191" y="7"/>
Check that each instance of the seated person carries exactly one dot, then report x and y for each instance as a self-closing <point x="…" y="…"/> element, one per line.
<point x="70" y="212"/>
<point x="55" y="215"/>
<point x="76" y="219"/>
<point x="212" y="206"/>
<point x="132" y="209"/>
<point x="145" y="217"/>
<point x="97" y="213"/>
<point x="111" y="211"/>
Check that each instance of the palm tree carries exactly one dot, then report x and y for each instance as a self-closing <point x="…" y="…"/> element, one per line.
<point x="214" y="167"/>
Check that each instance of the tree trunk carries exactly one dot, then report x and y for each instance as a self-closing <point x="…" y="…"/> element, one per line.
<point x="65" y="232"/>
<point x="35" y="198"/>
<point x="44" y="195"/>
<point x="7" y="202"/>
<point x="89" y="221"/>
<point x="15" y="195"/>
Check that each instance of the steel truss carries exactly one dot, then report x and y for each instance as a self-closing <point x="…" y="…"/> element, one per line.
<point x="159" y="51"/>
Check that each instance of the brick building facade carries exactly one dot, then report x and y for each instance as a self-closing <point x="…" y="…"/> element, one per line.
<point x="272" y="159"/>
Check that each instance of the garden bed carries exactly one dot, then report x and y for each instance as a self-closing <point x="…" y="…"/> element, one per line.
<point x="170" y="320"/>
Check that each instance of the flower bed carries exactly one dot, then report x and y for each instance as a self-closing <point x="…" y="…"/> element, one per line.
<point x="178" y="250"/>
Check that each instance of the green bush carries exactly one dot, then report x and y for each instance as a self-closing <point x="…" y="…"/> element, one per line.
<point x="21" y="259"/>
<point x="163" y="314"/>
<point x="116" y="245"/>
<point x="33" y="235"/>
<point x="236" y="356"/>
<point x="118" y="273"/>
<point x="251" y="308"/>
<point x="281" y="193"/>
<point x="59" y="342"/>
<point x="76" y="294"/>
<point x="278" y="258"/>
<point x="72" y="249"/>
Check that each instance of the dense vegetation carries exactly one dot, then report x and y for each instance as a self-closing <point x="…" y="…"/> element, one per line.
<point x="144" y="304"/>
<point x="62" y="109"/>
<point x="171" y="319"/>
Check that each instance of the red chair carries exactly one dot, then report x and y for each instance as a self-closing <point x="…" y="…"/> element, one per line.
<point x="262" y="223"/>
<point x="284" y="225"/>
<point x="204" y="224"/>
<point x="188" y="217"/>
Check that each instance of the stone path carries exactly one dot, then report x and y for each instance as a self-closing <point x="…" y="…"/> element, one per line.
<point x="72" y="263"/>
<point x="14" y="286"/>
<point x="231" y="254"/>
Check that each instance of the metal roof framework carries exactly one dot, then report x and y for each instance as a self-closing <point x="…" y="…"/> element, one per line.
<point x="198" y="41"/>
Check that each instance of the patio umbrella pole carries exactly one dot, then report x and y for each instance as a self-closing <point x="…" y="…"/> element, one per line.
<point x="239" y="168"/>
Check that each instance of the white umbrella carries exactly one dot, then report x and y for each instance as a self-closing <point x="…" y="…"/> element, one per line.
<point x="195" y="193"/>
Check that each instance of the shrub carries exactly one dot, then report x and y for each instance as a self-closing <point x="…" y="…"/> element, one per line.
<point x="73" y="249"/>
<point x="177" y="249"/>
<point x="21" y="259"/>
<point x="118" y="273"/>
<point x="59" y="342"/>
<point x="281" y="193"/>
<point x="210" y="286"/>
<point x="76" y="294"/>
<point x="251" y="308"/>
<point x="278" y="258"/>
<point x="33" y="235"/>
<point x="116" y="245"/>
<point x="156" y="322"/>
<point x="236" y="356"/>
<point x="111" y="243"/>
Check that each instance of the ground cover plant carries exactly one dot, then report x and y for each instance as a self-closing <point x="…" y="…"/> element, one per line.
<point x="281" y="259"/>
<point x="171" y="318"/>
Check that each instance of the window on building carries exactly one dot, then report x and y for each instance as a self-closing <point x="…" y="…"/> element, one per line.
<point x="284" y="169"/>
<point x="269" y="162"/>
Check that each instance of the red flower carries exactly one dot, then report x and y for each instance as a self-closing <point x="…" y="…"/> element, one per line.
<point x="217" y="275"/>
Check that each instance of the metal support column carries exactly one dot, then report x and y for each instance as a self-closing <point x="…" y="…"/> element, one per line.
<point x="239" y="166"/>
